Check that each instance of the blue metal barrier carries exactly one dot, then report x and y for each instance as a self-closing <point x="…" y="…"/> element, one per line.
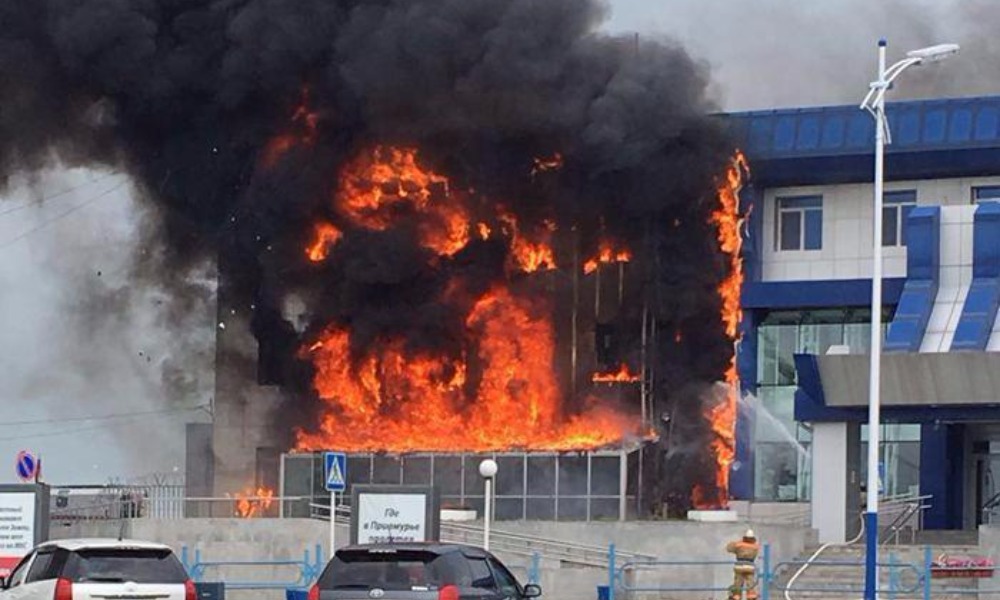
<point x="308" y="570"/>
<point x="893" y="568"/>
<point x="618" y="581"/>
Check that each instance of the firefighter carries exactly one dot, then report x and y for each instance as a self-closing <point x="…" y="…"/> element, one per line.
<point x="745" y="569"/>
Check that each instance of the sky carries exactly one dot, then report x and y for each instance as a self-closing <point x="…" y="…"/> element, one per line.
<point x="99" y="373"/>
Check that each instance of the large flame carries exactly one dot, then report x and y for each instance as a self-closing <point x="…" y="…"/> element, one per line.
<point x="398" y="400"/>
<point x="722" y="416"/>
<point x="385" y="184"/>
<point x="498" y="387"/>
<point x="253" y="503"/>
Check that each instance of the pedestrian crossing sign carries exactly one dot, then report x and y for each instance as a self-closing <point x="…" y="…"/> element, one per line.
<point x="336" y="471"/>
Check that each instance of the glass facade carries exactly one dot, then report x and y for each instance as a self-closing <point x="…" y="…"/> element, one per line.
<point x="782" y="463"/>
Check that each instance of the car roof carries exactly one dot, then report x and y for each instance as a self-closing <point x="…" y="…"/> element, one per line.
<point x="102" y="543"/>
<point x="433" y="547"/>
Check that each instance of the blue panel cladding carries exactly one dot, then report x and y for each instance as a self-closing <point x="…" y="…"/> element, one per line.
<point x="818" y="293"/>
<point x="741" y="475"/>
<point x="934" y="125"/>
<point x="753" y="238"/>
<point x="941" y="470"/>
<point x="923" y="259"/>
<point x="961" y="126"/>
<point x="980" y="309"/>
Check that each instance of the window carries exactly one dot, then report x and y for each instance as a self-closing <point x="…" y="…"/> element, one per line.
<point x="505" y="581"/>
<point x="482" y="577"/>
<point x="17" y="577"/>
<point x="800" y="223"/>
<point x="896" y="207"/>
<point x="985" y="193"/>
<point x="120" y="564"/>
<point x="40" y="570"/>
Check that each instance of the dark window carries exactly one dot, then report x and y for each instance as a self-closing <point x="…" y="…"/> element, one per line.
<point x="896" y="207"/>
<point x="121" y="564"/>
<point x="800" y="223"/>
<point x="505" y="581"/>
<point x="791" y="230"/>
<point x="482" y="577"/>
<point x="41" y="567"/>
<point x="985" y="193"/>
<point x="392" y="570"/>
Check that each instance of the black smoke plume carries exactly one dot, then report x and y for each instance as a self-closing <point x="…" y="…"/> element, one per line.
<point x="188" y="96"/>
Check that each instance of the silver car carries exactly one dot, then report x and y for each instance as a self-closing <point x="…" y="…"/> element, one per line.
<point x="418" y="571"/>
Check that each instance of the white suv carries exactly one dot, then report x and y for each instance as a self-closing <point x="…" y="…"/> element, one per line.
<point x="99" y="570"/>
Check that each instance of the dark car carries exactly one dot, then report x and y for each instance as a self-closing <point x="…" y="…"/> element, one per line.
<point x="418" y="571"/>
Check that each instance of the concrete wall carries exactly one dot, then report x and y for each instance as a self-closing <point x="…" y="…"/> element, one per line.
<point x="847" y="228"/>
<point x="286" y="539"/>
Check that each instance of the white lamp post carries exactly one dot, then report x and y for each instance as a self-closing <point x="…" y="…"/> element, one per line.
<point x="874" y="103"/>
<point x="488" y="470"/>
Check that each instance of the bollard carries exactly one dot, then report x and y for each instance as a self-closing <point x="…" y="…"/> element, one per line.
<point x="611" y="571"/>
<point x="534" y="572"/>
<point x="928" y="560"/>
<point x="765" y="577"/>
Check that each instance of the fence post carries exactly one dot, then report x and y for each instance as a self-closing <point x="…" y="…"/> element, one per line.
<point x="611" y="572"/>
<point x="892" y="576"/>
<point x="765" y="579"/>
<point x="927" y="572"/>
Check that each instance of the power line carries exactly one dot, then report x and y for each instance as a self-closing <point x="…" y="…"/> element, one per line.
<point x="105" y="417"/>
<point x="58" y="217"/>
<point x="62" y="432"/>
<point x="30" y="203"/>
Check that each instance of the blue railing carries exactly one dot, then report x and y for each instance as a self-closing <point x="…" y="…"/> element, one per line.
<point x="308" y="570"/>
<point x="904" y="579"/>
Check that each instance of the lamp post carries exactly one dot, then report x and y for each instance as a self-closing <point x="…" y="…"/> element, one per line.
<point x="874" y="103"/>
<point x="488" y="470"/>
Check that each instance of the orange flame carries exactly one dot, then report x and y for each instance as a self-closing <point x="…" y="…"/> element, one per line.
<point x="305" y="126"/>
<point x="484" y="231"/>
<point x="623" y="375"/>
<point x="385" y="184"/>
<point x="327" y="236"/>
<point x="551" y="163"/>
<point x="530" y="256"/>
<point x="722" y="416"/>
<point x="606" y="254"/>
<point x="394" y="399"/>
<point x="253" y="503"/>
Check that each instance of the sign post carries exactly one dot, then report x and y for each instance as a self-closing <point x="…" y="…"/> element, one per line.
<point x="336" y="481"/>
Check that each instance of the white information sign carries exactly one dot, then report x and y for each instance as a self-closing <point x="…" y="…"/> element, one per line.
<point x="384" y="518"/>
<point x="17" y="527"/>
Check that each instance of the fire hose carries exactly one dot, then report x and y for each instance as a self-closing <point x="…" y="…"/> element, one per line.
<point x="815" y="555"/>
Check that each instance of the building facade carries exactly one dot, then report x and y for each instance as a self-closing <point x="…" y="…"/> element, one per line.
<point x="808" y="257"/>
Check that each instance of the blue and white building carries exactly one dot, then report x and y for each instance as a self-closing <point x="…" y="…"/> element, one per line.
<point x="803" y="361"/>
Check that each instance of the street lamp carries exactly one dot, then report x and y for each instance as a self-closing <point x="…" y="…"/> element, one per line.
<point x="874" y="103"/>
<point x="488" y="470"/>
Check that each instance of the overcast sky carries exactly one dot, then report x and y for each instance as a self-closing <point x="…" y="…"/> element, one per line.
<point x="80" y="340"/>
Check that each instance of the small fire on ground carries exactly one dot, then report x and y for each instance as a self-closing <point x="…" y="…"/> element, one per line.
<point x="253" y="502"/>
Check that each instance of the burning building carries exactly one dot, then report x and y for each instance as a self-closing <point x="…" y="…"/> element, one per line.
<point x="439" y="226"/>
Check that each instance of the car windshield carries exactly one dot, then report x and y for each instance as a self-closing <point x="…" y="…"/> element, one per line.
<point x="121" y="564"/>
<point x="389" y="570"/>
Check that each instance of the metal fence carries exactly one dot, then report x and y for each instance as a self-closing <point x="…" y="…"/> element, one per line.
<point x="585" y="486"/>
<point x="923" y="580"/>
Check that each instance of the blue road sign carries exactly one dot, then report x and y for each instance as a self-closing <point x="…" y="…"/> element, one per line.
<point x="336" y="471"/>
<point x="27" y="466"/>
